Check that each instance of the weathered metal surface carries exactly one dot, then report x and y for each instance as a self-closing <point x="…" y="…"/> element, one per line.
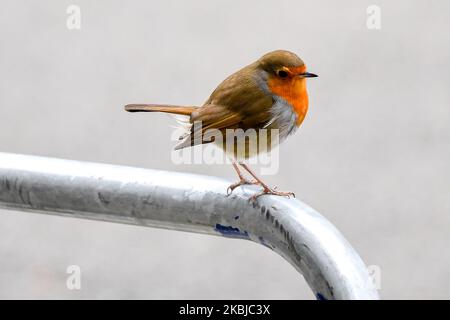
<point x="192" y="203"/>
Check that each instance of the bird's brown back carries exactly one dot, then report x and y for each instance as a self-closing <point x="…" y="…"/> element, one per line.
<point x="239" y="97"/>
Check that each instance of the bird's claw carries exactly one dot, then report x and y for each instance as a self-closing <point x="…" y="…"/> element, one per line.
<point x="271" y="192"/>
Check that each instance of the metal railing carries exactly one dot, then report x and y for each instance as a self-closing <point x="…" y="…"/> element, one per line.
<point x="192" y="203"/>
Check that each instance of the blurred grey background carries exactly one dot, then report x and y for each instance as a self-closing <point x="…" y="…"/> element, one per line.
<point x="372" y="155"/>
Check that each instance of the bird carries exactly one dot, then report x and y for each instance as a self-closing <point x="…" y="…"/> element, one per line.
<point x="269" y="94"/>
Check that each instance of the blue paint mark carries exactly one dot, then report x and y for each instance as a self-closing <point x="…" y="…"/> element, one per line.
<point x="320" y="296"/>
<point x="229" y="231"/>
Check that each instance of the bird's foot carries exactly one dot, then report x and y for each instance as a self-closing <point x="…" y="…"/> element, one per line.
<point x="271" y="191"/>
<point x="241" y="182"/>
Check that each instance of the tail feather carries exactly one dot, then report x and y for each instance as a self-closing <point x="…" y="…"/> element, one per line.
<point x="181" y="110"/>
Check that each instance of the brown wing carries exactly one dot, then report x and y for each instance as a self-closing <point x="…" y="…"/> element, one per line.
<point x="231" y="106"/>
<point x="204" y="120"/>
<point x="238" y="102"/>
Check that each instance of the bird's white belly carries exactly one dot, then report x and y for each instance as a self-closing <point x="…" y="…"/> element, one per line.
<point x="251" y="142"/>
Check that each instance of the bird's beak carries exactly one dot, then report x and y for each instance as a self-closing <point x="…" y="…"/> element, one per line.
<point x="308" y="75"/>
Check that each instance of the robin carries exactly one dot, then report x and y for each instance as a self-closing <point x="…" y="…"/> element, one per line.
<point x="267" y="94"/>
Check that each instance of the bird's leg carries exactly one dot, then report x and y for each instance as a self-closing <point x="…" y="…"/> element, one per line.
<point x="242" y="179"/>
<point x="266" y="188"/>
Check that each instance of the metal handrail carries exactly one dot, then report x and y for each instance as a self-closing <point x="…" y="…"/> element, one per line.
<point x="188" y="202"/>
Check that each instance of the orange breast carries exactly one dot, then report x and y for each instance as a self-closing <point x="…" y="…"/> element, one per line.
<point x="293" y="90"/>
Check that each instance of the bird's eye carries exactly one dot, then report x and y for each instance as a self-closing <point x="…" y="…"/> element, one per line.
<point x="282" y="74"/>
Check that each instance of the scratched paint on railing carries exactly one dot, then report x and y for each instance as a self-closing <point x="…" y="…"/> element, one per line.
<point x="320" y="296"/>
<point x="229" y="231"/>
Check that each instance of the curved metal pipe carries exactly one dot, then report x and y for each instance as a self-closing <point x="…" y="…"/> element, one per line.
<point x="188" y="202"/>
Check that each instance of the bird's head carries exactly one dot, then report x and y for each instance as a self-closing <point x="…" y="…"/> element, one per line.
<point x="283" y="74"/>
<point x="283" y="66"/>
